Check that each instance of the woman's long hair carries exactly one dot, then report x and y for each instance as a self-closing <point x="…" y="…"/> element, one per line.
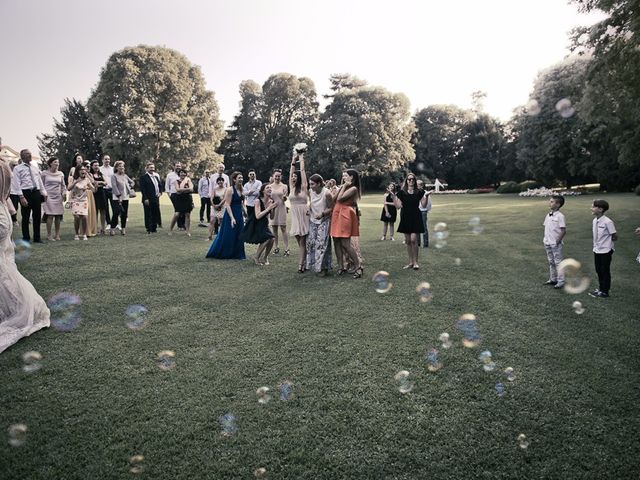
<point x="356" y="180"/>
<point x="234" y="175"/>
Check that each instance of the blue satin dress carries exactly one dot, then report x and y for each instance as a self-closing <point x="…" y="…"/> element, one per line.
<point x="228" y="243"/>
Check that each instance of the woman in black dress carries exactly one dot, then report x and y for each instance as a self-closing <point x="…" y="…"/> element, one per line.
<point x="183" y="201"/>
<point x="99" y="195"/>
<point x="408" y="199"/>
<point x="257" y="230"/>
<point x="389" y="212"/>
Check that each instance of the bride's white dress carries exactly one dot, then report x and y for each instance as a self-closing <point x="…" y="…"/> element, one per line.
<point x="22" y="310"/>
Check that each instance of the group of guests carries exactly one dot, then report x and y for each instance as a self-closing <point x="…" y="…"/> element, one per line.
<point x="320" y="212"/>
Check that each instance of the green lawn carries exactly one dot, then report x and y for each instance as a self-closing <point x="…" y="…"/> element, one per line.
<point x="100" y="397"/>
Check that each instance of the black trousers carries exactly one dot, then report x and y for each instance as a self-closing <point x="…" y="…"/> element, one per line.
<point x="151" y="214"/>
<point x="181" y="215"/>
<point x="15" y="199"/>
<point x="119" y="210"/>
<point x="109" y="195"/>
<point x="603" y="269"/>
<point x="205" y="204"/>
<point x="33" y="208"/>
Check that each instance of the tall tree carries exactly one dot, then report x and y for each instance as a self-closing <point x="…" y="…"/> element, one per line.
<point x="151" y="104"/>
<point x="74" y="133"/>
<point x="364" y="127"/>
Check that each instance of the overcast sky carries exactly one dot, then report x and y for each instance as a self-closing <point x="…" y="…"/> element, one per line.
<point x="433" y="51"/>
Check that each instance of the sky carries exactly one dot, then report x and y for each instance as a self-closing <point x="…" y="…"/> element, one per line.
<point x="433" y="51"/>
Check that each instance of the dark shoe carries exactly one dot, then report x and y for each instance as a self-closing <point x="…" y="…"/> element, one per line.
<point x="358" y="273"/>
<point x="603" y="295"/>
<point x="595" y="293"/>
<point x="550" y="282"/>
<point x="558" y="285"/>
<point x="38" y="241"/>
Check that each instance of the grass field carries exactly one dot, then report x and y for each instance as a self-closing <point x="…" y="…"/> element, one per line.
<point x="100" y="398"/>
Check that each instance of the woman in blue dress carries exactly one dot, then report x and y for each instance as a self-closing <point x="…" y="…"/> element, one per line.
<point x="228" y="243"/>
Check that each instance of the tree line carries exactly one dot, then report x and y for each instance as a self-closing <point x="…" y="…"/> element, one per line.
<point x="581" y="124"/>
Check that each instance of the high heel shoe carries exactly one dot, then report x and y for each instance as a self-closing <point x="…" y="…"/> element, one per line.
<point x="300" y="268"/>
<point x="286" y="253"/>
<point x="276" y="251"/>
<point x="358" y="273"/>
<point x="341" y="271"/>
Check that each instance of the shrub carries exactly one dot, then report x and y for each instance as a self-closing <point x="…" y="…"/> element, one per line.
<point x="480" y="190"/>
<point x="637" y="190"/>
<point x="509" y="187"/>
<point x="529" y="185"/>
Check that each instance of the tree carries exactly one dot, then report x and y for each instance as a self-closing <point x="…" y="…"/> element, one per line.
<point x="151" y="104"/>
<point x="272" y="119"/>
<point x="364" y="127"/>
<point x="73" y="133"/>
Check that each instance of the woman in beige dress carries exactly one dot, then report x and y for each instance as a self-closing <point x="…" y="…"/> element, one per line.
<point x="279" y="192"/>
<point x="22" y="310"/>
<point x="299" y="200"/>
<point x="80" y="184"/>
<point x="53" y="181"/>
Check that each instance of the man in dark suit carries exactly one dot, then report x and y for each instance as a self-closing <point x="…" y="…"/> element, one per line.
<point x="151" y="189"/>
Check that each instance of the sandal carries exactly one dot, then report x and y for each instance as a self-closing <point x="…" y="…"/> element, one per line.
<point x="358" y="273"/>
<point x="341" y="271"/>
<point x="300" y="268"/>
<point x="276" y="251"/>
<point x="286" y="253"/>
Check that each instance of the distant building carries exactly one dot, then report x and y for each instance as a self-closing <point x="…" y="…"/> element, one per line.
<point x="10" y="155"/>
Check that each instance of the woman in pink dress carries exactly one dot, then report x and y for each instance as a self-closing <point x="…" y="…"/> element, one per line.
<point x="299" y="200"/>
<point x="53" y="181"/>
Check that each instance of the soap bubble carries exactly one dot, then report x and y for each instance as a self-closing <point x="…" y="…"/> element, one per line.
<point x="424" y="291"/>
<point x="457" y="262"/>
<point x="446" y="341"/>
<point x="17" y="434"/>
<point x="564" y="108"/>
<point x="286" y="390"/>
<point x="402" y="377"/>
<point x="22" y="250"/>
<point x="488" y="364"/>
<point x="511" y="376"/>
<point x="136" y="464"/>
<point x="381" y="281"/>
<point x="211" y="351"/>
<point x="474" y="225"/>
<point x="31" y="362"/>
<point x="228" y="424"/>
<point x="533" y="108"/>
<point x="500" y="389"/>
<point x="263" y="395"/>
<point x="260" y="472"/>
<point x="166" y="360"/>
<point x="468" y="325"/>
<point x="136" y="317"/>
<point x="523" y="441"/>
<point x="441" y="233"/>
<point x="420" y="166"/>
<point x="65" y="311"/>
<point x="574" y="280"/>
<point x="577" y="307"/>
<point x="433" y="360"/>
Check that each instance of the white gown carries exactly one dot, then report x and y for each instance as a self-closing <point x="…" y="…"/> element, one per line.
<point x="22" y="310"/>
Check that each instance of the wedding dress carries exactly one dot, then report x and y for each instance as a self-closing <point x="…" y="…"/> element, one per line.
<point x="22" y="310"/>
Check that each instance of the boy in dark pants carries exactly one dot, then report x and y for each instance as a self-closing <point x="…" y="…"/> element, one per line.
<point x="604" y="234"/>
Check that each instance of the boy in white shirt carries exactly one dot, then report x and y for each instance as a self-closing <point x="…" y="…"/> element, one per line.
<point x="604" y="234"/>
<point x="555" y="229"/>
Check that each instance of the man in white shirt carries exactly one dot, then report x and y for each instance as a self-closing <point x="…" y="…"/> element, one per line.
<point x="14" y="194"/>
<point x="32" y="194"/>
<point x="170" y="188"/>
<point x="251" y="191"/>
<point x="205" y="199"/>
<point x="107" y="173"/>
<point x="214" y="177"/>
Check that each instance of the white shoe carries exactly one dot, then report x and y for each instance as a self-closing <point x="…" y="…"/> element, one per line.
<point x="383" y="239"/>
<point x="107" y="228"/>
<point x="84" y="237"/>
<point x="118" y="227"/>
<point x="76" y="237"/>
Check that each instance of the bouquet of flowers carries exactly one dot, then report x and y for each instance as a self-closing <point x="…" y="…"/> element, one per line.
<point x="299" y="148"/>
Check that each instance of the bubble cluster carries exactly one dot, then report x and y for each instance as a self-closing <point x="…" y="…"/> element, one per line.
<point x="286" y="390"/>
<point x="166" y="360"/>
<point x="22" y="250"/>
<point x="510" y="374"/>
<point x="564" y="108"/>
<point x="488" y="365"/>
<point x="420" y="166"/>
<point x="424" y="292"/>
<point x="475" y="226"/>
<point x="228" y="424"/>
<point x="136" y="464"/>
<point x="445" y="340"/>
<point x="381" y="281"/>
<point x="263" y="395"/>
<point x="433" y="360"/>
<point x="404" y="384"/>
<point x="457" y="262"/>
<point x="65" y="310"/>
<point x="31" y="362"/>
<point x="533" y="108"/>
<point x="260" y="472"/>
<point x="577" y="307"/>
<point x="136" y="317"/>
<point x="500" y="389"/>
<point x="17" y="434"/>
<point x="441" y="233"/>
<point x="468" y="325"/>
<point x="523" y="442"/>
<point x="575" y="281"/>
